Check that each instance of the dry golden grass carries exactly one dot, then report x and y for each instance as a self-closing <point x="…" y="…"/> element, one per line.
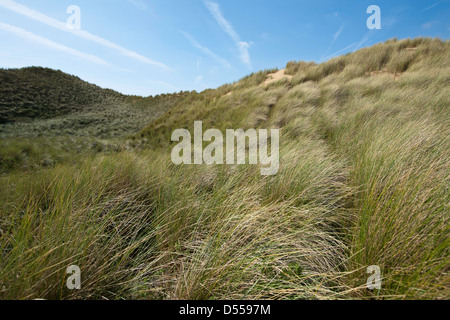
<point x="363" y="181"/>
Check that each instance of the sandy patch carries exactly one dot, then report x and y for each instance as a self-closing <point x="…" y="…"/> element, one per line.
<point x="273" y="77"/>
<point x="384" y="72"/>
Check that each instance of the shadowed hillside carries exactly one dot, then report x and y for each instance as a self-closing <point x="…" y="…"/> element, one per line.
<point x="42" y="93"/>
<point x="39" y="101"/>
<point x="49" y="117"/>
<point x="363" y="181"/>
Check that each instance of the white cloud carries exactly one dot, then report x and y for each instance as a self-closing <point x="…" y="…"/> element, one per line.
<point x="213" y="70"/>
<point x="226" y="26"/>
<point x="205" y="50"/>
<point x="338" y="52"/>
<point x="364" y="39"/>
<point x="335" y="37"/>
<point x="427" y="25"/>
<point x="332" y="15"/>
<point x="163" y="84"/>
<point x="50" y="44"/>
<point x="430" y="7"/>
<point x="389" y="21"/>
<point x="245" y="56"/>
<point x="264" y="36"/>
<point x="141" y="5"/>
<point x="198" y="79"/>
<point x="214" y="9"/>
<point x="338" y="33"/>
<point x="35" y="15"/>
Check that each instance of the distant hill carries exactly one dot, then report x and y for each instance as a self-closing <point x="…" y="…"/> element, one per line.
<point x="38" y="101"/>
<point x="43" y="93"/>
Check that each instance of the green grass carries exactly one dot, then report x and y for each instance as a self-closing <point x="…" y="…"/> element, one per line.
<point x="363" y="181"/>
<point x="45" y="123"/>
<point x="42" y="93"/>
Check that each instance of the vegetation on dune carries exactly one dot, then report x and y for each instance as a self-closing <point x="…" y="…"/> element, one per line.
<point x="48" y="117"/>
<point x="42" y="93"/>
<point x="43" y="102"/>
<point x="363" y="180"/>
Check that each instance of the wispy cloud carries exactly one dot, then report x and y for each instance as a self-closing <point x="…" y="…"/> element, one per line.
<point x="50" y="44"/>
<point x="227" y="27"/>
<point x="139" y="4"/>
<point x="338" y="52"/>
<point x="206" y="50"/>
<point x="430" y="7"/>
<point x="427" y="25"/>
<point x="335" y="37"/>
<point x="363" y="40"/>
<point x="198" y="80"/>
<point x="264" y="36"/>
<point x="338" y="33"/>
<point x="35" y="15"/>
<point x="332" y="15"/>
<point x="389" y="22"/>
<point x="163" y="84"/>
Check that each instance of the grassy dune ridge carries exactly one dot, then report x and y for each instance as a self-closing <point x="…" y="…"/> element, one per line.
<point x="49" y="117"/>
<point x="363" y="180"/>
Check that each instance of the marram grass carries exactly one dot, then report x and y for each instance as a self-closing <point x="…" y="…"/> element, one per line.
<point x="363" y="180"/>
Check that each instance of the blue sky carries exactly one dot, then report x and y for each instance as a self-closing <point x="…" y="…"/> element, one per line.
<point x="147" y="47"/>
